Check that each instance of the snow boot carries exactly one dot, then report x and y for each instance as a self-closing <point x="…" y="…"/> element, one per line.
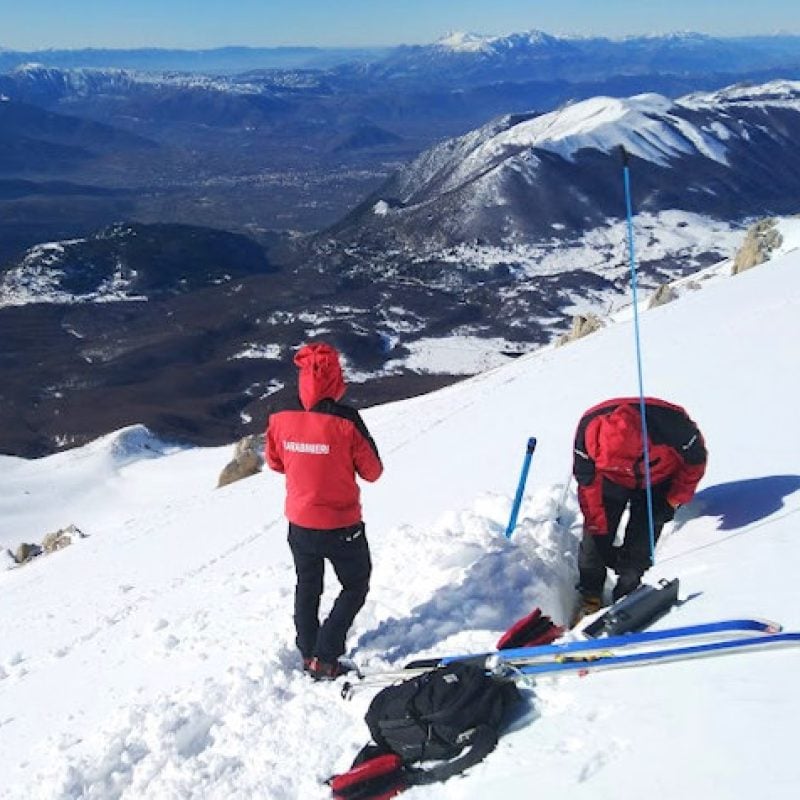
<point x="626" y="583"/>
<point x="326" y="670"/>
<point x="588" y="604"/>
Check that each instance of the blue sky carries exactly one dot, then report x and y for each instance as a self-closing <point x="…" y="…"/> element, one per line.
<point x="41" y="24"/>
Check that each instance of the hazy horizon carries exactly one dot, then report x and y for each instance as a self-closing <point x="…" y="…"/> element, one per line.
<point x="212" y="24"/>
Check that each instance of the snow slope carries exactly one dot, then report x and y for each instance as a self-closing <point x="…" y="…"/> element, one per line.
<point x="154" y="659"/>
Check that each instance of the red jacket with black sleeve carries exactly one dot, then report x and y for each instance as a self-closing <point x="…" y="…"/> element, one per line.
<point x="608" y="447"/>
<point x="321" y="451"/>
<point x="321" y="445"/>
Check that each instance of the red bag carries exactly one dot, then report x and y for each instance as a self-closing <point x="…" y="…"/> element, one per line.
<point x="378" y="778"/>
<point x="530" y="631"/>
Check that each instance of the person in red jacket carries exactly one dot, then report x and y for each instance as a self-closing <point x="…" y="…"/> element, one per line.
<point x="609" y="468"/>
<point x="321" y="445"/>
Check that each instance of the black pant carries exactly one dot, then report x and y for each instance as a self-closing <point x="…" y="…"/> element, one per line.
<point x="348" y="552"/>
<point x="632" y="559"/>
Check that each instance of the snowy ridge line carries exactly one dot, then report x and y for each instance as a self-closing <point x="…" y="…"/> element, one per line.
<point x="651" y="126"/>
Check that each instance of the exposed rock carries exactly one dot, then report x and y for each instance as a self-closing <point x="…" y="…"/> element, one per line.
<point x="57" y="540"/>
<point x="62" y="538"/>
<point x="761" y="239"/>
<point x="663" y="295"/>
<point x="26" y="552"/>
<point x="247" y="460"/>
<point x="582" y="325"/>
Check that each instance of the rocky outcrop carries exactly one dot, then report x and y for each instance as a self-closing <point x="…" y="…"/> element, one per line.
<point x="582" y="325"/>
<point x="57" y="540"/>
<point x="26" y="552"/>
<point x="663" y="295"/>
<point x="247" y="460"/>
<point x="759" y="243"/>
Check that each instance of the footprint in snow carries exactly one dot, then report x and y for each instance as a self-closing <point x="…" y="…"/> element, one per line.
<point x="611" y="751"/>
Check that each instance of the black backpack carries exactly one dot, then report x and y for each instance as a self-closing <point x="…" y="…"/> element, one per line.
<point x="439" y="714"/>
<point x="450" y="714"/>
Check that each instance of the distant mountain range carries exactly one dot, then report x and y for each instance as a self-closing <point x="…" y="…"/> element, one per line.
<point x="468" y="59"/>
<point x="222" y="60"/>
<point x="460" y="58"/>
<point x="261" y="144"/>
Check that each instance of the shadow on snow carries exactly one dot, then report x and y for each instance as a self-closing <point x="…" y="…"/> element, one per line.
<point x="740" y="503"/>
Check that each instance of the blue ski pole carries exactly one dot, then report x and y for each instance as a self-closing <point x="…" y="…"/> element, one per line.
<point x="523" y="478"/>
<point x="637" y="336"/>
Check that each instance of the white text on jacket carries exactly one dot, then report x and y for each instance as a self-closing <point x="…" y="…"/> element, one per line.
<point x="314" y="448"/>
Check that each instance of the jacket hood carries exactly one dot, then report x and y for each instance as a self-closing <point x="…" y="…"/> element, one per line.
<point x="320" y="374"/>
<point x="619" y="438"/>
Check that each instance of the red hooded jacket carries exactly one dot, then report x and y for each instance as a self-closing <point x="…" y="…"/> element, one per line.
<point x="608" y="447"/>
<point x="320" y="445"/>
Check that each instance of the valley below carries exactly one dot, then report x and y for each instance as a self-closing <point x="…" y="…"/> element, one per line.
<point x="167" y="239"/>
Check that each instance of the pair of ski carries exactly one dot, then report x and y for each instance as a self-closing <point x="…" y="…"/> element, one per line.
<point x="625" y="650"/>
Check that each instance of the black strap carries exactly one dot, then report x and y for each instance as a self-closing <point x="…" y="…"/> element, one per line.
<point x="483" y="742"/>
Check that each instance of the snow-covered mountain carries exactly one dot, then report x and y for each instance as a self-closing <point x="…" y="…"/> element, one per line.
<point x="169" y="97"/>
<point x="37" y="81"/>
<point x="154" y="658"/>
<point x="729" y="154"/>
<point x="468" y="58"/>
<point x="461" y="42"/>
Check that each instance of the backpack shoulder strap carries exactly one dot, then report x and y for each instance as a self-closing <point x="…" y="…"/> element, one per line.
<point x="483" y="742"/>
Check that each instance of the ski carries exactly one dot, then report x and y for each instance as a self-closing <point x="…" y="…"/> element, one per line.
<point x="621" y="640"/>
<point x="585" y="652"/>
<point x="583" y="665"/>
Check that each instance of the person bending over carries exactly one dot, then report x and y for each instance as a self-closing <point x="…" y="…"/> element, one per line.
<point x="609" y="468"/>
